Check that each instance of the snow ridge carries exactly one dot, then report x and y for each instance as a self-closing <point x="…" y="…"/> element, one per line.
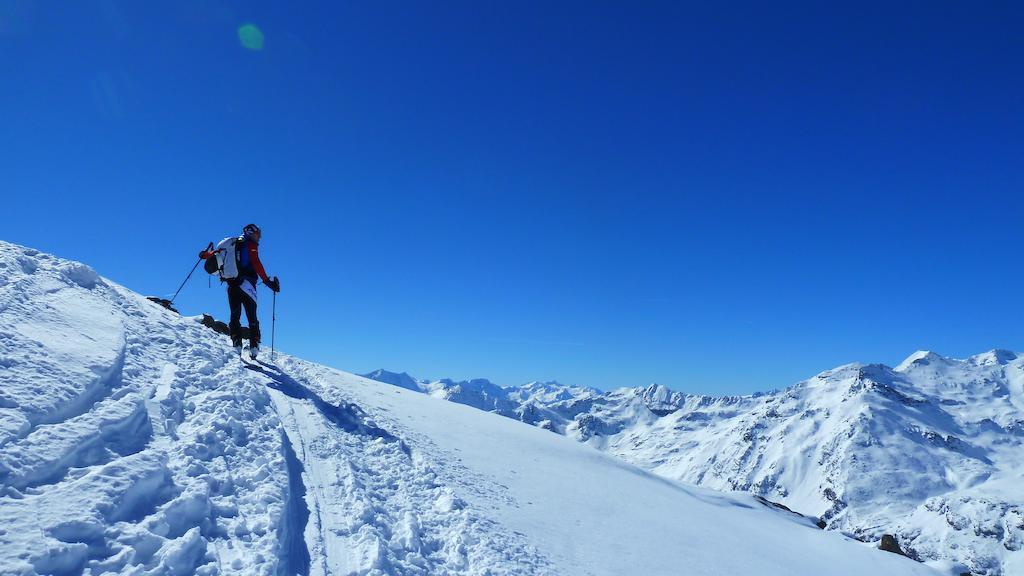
<point x="111" y="459"/>
<point x="135" y="441"/>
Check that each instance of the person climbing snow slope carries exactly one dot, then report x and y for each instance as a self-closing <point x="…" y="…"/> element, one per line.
<point x="237" y="261"/>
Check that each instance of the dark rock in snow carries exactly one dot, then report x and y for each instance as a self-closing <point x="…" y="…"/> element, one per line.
<point x="819" y="523"/>
<point x="889" y="544"/>
<point x="222" y="328"/>
<point x="162" y="302"/>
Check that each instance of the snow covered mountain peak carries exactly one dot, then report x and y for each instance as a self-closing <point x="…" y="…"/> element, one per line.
<point x="659" y="399"/>
<point x="546" y="386"/>
<point x="400" y="379"/>
<point x="925" y="358"/>
<point x="550" y="391"/>
<point x="920" y="358"/>
<point x="993" y="357"/>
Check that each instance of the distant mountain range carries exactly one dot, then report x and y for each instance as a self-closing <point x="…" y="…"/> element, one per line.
<point x="930" y="451"/>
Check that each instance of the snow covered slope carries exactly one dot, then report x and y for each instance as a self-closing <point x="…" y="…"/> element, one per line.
<point x="132" y="441"/>
<point x="930" y="451"/>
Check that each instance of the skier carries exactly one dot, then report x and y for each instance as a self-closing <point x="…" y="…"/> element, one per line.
<point x="238" y="262"/>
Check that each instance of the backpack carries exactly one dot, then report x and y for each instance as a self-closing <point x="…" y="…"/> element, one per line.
<point x="226" y="261"/>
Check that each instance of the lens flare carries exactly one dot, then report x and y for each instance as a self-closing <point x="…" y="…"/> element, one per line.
<point x="250" y="36"/>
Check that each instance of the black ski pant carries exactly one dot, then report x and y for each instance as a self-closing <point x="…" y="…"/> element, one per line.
<point x="237" y="298"/>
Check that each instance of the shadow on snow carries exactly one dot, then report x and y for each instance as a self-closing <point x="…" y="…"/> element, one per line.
<point x="347" y="416"/>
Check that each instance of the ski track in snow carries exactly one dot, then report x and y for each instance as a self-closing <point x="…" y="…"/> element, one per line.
<point x="134" y="441"/>
<point x="378" y="505"/>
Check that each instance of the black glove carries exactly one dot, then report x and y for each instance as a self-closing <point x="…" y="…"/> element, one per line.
<point x="205" y="253"/>
<point x="274" y="284"/>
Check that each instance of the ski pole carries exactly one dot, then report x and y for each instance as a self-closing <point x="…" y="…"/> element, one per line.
<point x="273" y="325"/>
<point x="189" y="275"/>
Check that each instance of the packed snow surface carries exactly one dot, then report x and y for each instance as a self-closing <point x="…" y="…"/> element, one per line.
<point x="133" y="441"/>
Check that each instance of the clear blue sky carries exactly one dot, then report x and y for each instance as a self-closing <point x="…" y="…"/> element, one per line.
<point x="720" y="197"/>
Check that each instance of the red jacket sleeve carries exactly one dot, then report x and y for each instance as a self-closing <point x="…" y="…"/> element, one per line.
<point x="254" y="258"/>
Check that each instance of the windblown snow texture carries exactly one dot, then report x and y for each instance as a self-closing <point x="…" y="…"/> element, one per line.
<point x="133" y="441"/>
<point x="930" y="451"/>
